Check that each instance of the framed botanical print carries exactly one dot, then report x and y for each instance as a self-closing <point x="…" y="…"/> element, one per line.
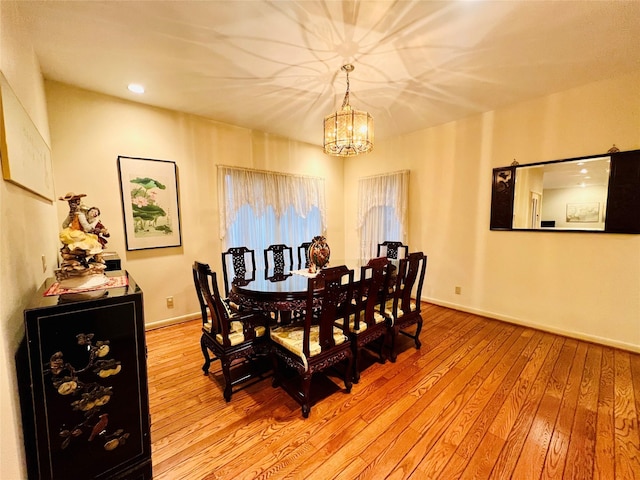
<point x="150" y="206"/>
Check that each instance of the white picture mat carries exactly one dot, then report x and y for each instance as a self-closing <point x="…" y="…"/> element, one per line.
<point x="26" y="157"/>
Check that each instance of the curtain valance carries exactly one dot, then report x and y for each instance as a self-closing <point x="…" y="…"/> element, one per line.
<point x="386" y="190"/>
<point x="261" y="189"/>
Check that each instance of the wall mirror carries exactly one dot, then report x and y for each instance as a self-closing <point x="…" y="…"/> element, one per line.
<point x="599" y="193"/>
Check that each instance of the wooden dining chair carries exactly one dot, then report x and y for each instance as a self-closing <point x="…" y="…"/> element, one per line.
<point x="242" y="263"/>
<point x="369" y="323"/>
<point x="403" y="306"/>
<point x="278" y="257"/>
<point x="303" y="254"/>
<point x="204" y="310"/>
<point x="236" y="339"/>
<point x="394" y="250"/>
<point x="316" y="342"/>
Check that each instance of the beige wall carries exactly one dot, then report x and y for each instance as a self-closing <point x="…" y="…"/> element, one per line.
<point x="89" y="131"/>
<point x="583" y="285"/>
<point x="27" y="224"/>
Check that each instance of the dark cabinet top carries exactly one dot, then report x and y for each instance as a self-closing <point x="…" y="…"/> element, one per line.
<point x="39" y="300"/>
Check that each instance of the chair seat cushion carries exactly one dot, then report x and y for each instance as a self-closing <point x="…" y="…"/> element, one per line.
<point x="362" y="324"/>
<point x="388" y="309"/>
<point x="291" y="337"/>
<point x="236" y="332"/>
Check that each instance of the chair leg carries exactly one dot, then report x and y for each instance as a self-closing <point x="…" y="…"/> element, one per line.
<point x="348" y="374"/>
<point x="418" y="330"/>
<point x="356" y="362"/>
<point x="383" y="342"/>
<point x="207" y="358"/>
<point x="392" y="349"/>
<point x="226" y="371"/>
<point x="276" y="376"/>
<point x="306" y="394"/>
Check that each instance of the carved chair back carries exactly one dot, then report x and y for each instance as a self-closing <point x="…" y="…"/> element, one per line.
<point x="209" y="290"/>
<point x="329" y="297"/>
<point x="196" y="283"/>
<point x="242" y="261"/>
<point x="372" y="294"/>
<point x="278" y="257"/>
<point x="411" y="269"/>
<point x="394" y="250"/>
<point x="303" y="255"/>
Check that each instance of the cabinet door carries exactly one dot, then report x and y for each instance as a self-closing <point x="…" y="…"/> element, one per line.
<point x="87" y="363"/>
<point x="502" y="191"/>
<point x="623" y="203"/>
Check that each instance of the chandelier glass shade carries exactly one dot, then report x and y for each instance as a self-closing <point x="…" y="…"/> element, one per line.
<point x="348" y="132"/>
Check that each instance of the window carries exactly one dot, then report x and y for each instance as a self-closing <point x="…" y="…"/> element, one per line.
<point x="382" y="211"/>
<point x="259" y="208"/>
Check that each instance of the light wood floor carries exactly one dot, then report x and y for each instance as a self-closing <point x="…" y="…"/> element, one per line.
<point x="481" y="399"/>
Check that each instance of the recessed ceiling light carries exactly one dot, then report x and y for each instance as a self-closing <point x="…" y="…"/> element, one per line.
<point x="136" y="88"/>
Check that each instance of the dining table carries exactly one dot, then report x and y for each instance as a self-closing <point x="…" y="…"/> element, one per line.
<point x="268" y="291"/>
<point x="279" y="291"/>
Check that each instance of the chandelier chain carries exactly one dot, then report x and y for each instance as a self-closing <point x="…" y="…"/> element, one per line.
<point x="345" y="102"/>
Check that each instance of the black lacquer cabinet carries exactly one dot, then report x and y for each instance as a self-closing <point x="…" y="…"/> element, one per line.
<point x="83" y="378"/>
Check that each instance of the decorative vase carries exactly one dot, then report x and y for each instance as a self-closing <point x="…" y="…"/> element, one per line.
<point x="319" y="253"/>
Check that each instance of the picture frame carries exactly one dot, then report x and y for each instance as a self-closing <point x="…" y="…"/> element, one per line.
<point x="25" y="156"/>
<point x="150" y="203"/>
<point x="588" y="212"/>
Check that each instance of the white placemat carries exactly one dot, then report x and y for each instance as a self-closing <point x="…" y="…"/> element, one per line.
<point x="304" y="272"/>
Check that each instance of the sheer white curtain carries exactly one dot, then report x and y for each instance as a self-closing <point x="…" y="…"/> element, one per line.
<point x="382" y="210"/>
<point x="260" y="208"/>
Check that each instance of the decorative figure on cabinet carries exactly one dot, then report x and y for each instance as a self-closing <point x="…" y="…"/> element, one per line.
<point x="82" y="263"/>
<point x="319" y="253"/>
<point x="96" y="227"/>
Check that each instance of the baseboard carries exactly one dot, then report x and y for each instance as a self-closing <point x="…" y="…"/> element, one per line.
<point x="546" y="328"/>
<point x="165" y="322"/>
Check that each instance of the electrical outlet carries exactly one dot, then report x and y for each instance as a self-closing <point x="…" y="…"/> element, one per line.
<point x="44" y="263"/>
<point x="458" y="290"/>
<point x="169" y="302"/>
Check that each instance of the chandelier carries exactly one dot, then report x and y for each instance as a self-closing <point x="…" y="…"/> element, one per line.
<point x="348" y="132"/>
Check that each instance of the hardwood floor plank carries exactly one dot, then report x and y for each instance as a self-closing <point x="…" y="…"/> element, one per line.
<point x="555" y="462"/>
<point x="627" y="444"/>
<point x="444" y="448"/>
<point x="531" y="460"/>
<point x="506" y="461"/>
<point x="604" y="461"/>
<point x="481" y="399"/>
<point x="580" y="456"/>
<point x="405" y="410"/>
<point x="634" y="360"/>
<point x="468" y="444"/>
<point x="538" y="367"/>
<point x="439" y="414"/>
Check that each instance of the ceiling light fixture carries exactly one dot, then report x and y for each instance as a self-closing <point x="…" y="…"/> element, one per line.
<point x="135" y="88"/>
<point x="348" y="132"/>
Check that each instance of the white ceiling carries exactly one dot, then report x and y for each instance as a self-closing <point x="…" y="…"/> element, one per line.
<point x="274" y="66"/>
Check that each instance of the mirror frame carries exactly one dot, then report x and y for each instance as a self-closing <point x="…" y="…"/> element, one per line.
<point x="623" y="195"/>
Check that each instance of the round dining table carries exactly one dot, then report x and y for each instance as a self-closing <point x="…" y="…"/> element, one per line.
<point x="283" y="292"/>
<point x="269" y="292"/>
